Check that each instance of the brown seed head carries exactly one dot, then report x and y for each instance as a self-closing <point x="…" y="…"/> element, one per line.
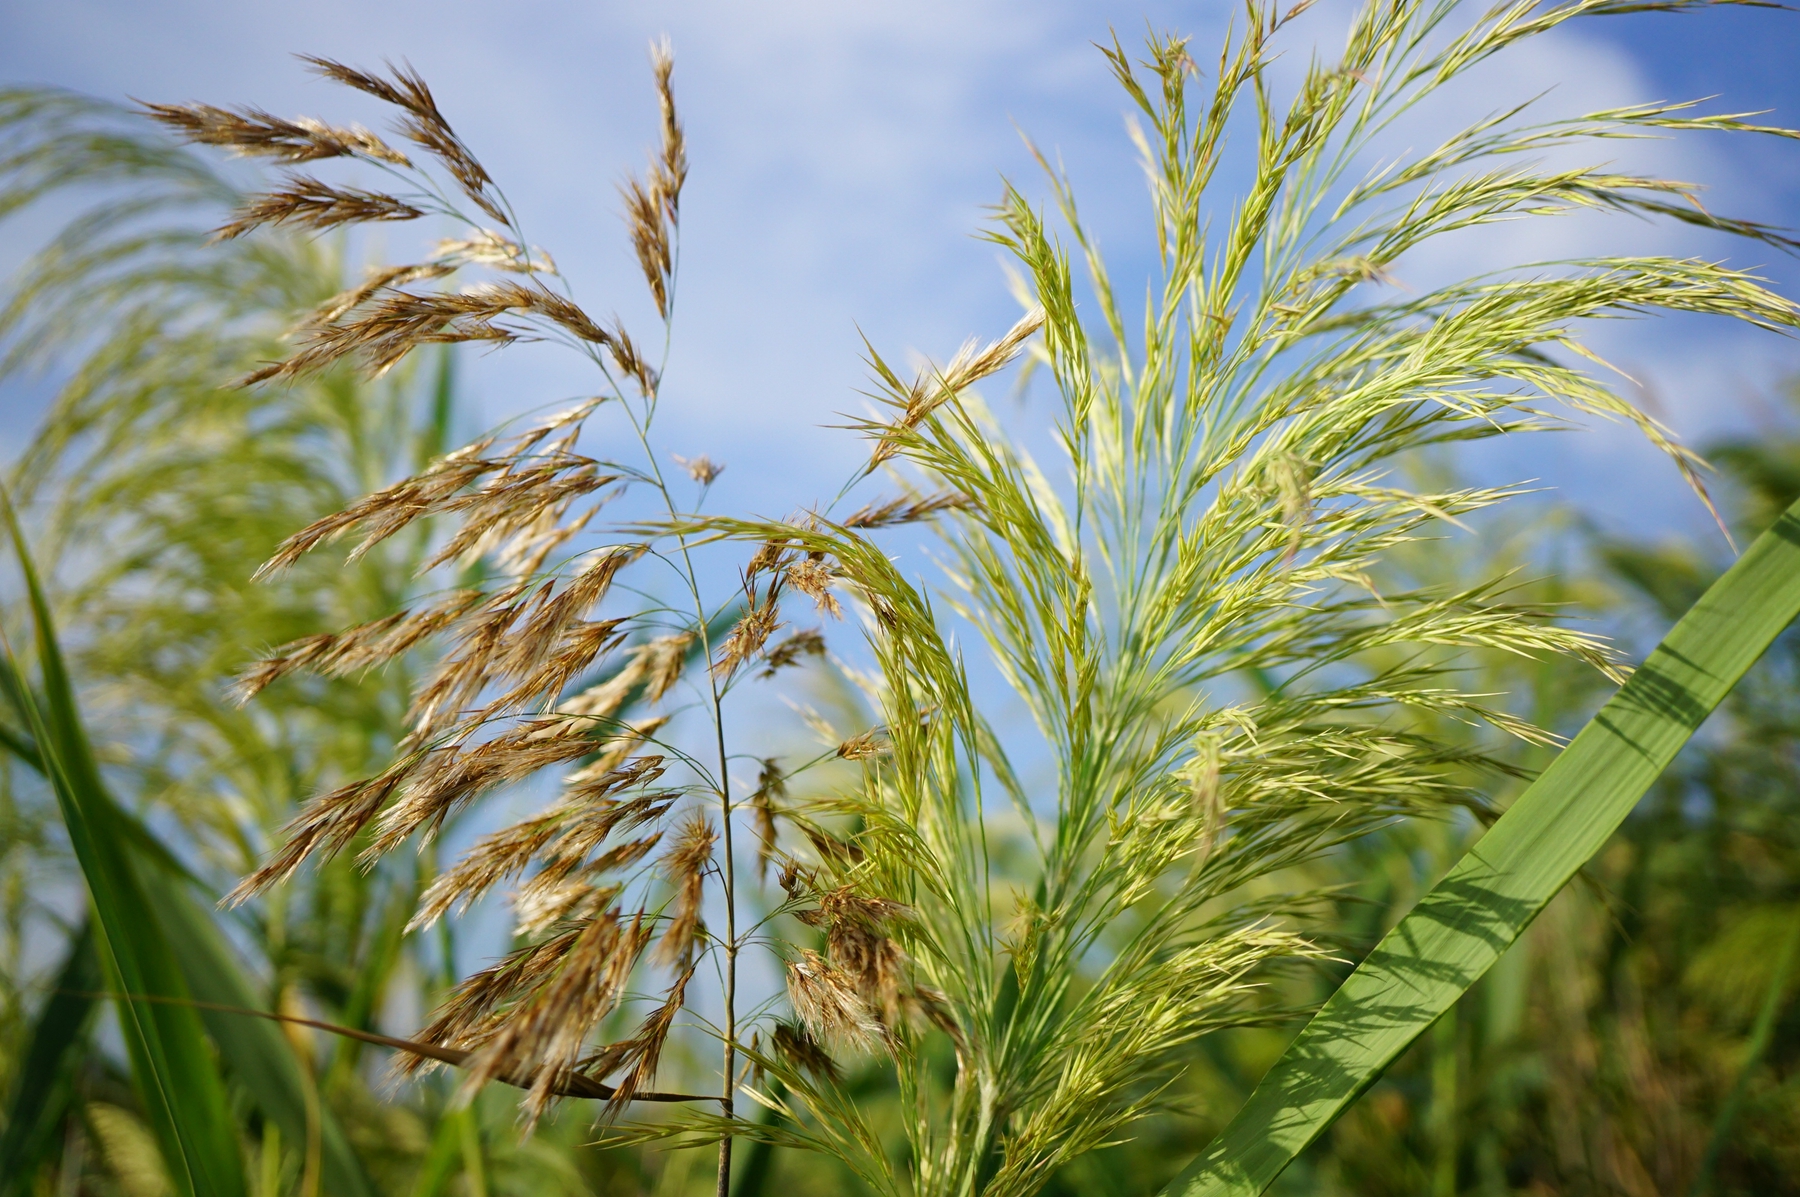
<point x="907" y="510"/>
<point x="423" y="124"/>
<point x="792" y="649"/>
<point x="813" y="578"/>
<point x="747" y="637"/>
<point x="701" y="469"/>
<point x="871" y="743"/>
<point x="827" y="1000"/>
<point x="771" y="791"/>
<point x="312" y="204"/>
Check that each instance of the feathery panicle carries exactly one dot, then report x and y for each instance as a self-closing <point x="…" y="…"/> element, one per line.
<point x="653" y="205"/>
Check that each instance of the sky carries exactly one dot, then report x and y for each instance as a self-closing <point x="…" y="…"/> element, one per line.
<point x="843" y="155"/>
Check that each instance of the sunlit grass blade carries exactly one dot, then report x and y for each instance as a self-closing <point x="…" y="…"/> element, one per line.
<point x="1421" y="967"/>
<point x="40" y="1097"/>
<point x="254" y="1050"/>
<point x="184" y="1097"/>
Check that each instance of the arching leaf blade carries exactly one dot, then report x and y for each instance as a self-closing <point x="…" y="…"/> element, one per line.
<point x="172" y="1062"/>
<point x="1457" y="931"/>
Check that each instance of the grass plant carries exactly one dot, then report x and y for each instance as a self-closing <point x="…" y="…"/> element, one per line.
<point x="1027" y="927"/>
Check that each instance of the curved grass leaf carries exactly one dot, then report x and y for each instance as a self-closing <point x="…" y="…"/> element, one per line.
<point x="255" y="1052"/>
<point x="1421" y="967"/>
<point x="172" y="1063"/>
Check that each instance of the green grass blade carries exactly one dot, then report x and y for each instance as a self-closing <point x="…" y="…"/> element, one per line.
<point x="41" y="1096"/>
<point x="254" y="1050"/>
<point x="1462" y="926"/>
<point x="172" y="1063"/>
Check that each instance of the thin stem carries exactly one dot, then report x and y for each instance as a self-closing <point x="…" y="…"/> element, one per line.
<point x="729" y="869"/>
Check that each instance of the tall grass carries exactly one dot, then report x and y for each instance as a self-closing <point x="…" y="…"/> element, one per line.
<point x="1027" y="925"/>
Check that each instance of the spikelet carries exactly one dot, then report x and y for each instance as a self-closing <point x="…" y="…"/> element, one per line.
<point x="386" y="511"/>
<point x="701" y="469"/>
<point x="644" y="1049"/>
<point x="542" y="1036"/>
<point x="562" y="837"/>
<point x="356" y="650"/>
<point x="792" y="650"/>
<point x="685" y="866"/>
<point x="747" y="636"/>
<point x="326" y="824"/>
<point x="663" y="660"/>
<point x="252" y="132"/>
<point x="630" y="738"/>
<point x="485" y="247"/>
<point x="771" y="790"/>
<point x="642" y="1052"/>
<point x="450" y="777"/>
<point x="541" y="905"/>
<point x="801" y="1050"/>
<point x="865" y="745"/>
<point x="933" y="389"/>
<point x="813" y="578"/>
<point x="907" y="510"/>
<point x="312" y="204"/>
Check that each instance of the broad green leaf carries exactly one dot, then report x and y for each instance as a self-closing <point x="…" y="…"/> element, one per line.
<point x="172" y="1063"/>
<point x="1421" y="967"/>
<point x="40" y="1098"/>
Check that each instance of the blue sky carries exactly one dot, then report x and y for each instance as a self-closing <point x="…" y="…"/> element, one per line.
<point x="842" y="156"/>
